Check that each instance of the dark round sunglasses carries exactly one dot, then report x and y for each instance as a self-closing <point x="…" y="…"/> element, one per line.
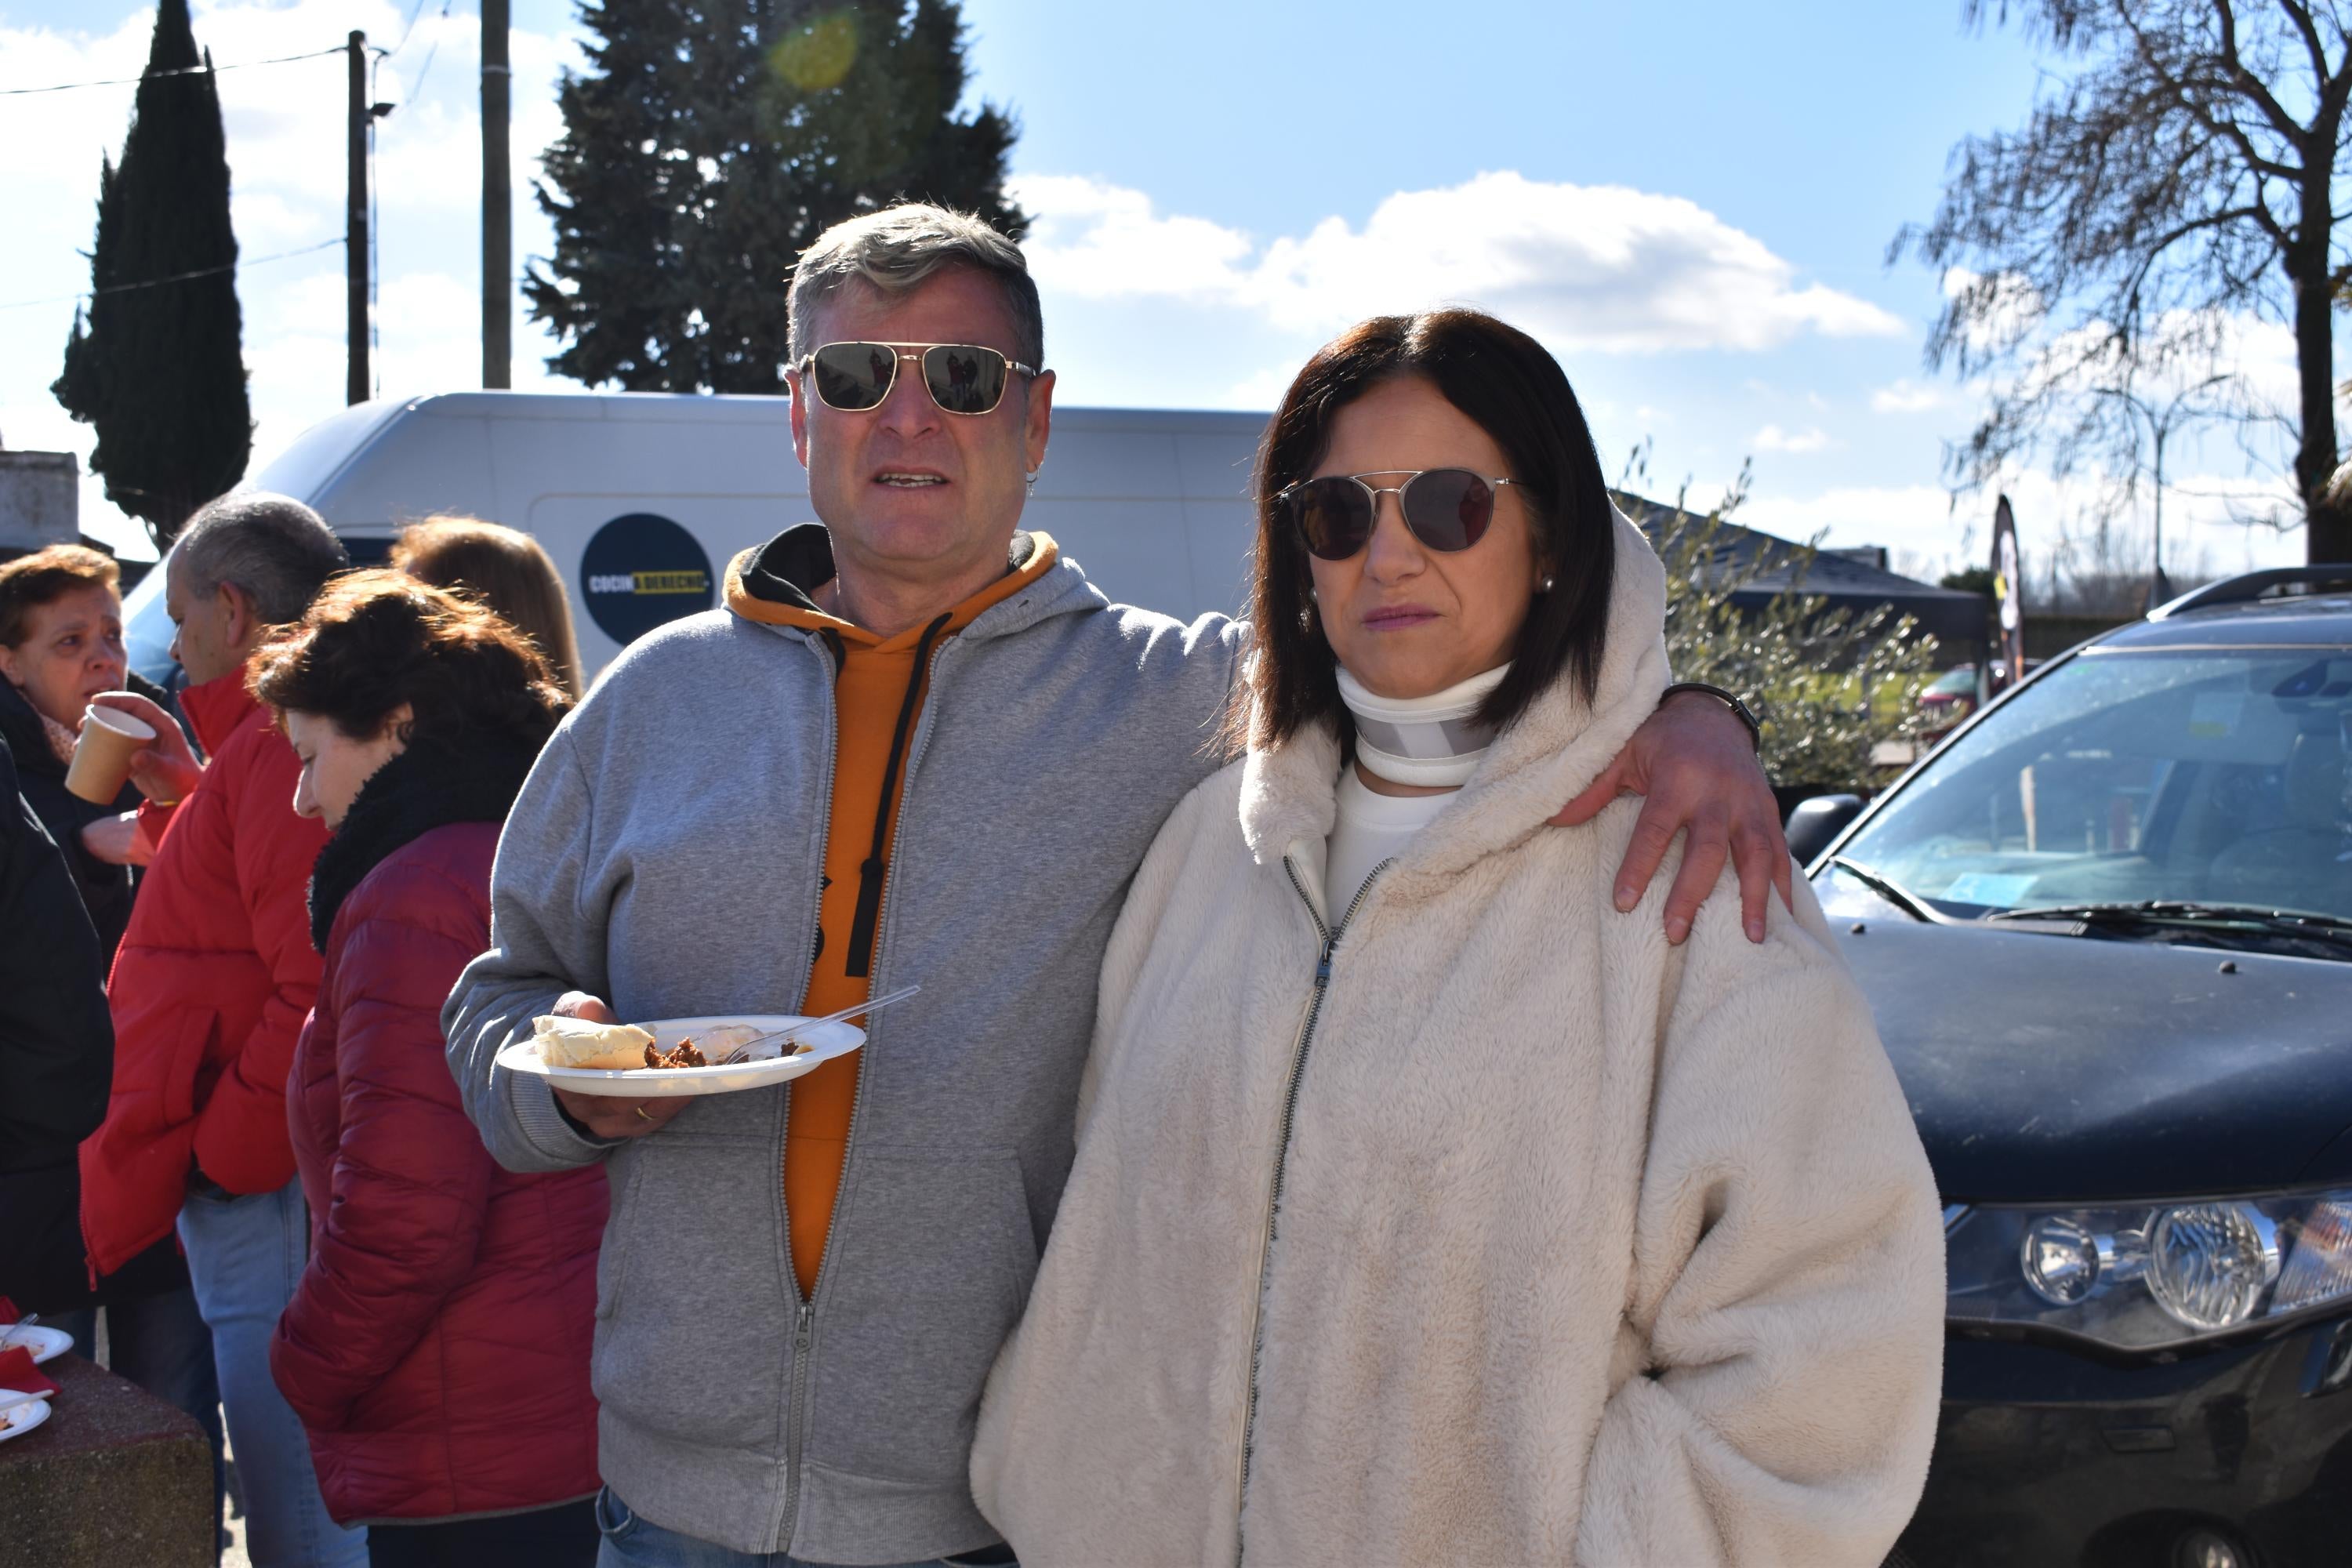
<point x="962" y="378"/>
<point x="1447" y="509"/>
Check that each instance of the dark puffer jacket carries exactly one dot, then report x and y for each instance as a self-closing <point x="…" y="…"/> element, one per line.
<point x="106" y="891"/>
<point x="55" y="1052"/>
<point x="437" y="1348"/>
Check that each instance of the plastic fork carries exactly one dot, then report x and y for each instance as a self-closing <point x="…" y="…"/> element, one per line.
<point x="872" y="1005"/>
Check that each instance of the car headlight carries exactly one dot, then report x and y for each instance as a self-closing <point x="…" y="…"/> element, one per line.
<point x="2155" y="1276"/>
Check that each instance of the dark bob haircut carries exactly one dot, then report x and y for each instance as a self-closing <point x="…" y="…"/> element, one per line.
<point x="1514" y="391"/>
<point x="373" y="640"/>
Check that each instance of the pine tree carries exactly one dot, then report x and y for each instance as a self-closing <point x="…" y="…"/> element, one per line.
<point x="712" y="142"/>
<point x="155" y="361"/>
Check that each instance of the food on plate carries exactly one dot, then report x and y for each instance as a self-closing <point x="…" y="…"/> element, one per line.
<point x="725" y="1039"/>
<point x="577" y="1043"/>
<point x="681" y="1055"/>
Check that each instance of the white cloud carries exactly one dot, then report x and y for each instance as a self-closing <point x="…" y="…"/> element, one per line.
<point x="1772" y="438"/>
<point x="1920" y="524"/>
<point x="284" y="125"/>
<point x="1594" y="268"/>
<point x="1907" y="396"/>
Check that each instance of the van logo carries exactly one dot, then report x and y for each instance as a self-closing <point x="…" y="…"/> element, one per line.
<point x="641" y="570"/>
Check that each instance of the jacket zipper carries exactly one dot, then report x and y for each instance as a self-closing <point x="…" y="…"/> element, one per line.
<point x="1330" y="935"/>
<point x="804" y="1322"/>
<point x="803" y="1308"/>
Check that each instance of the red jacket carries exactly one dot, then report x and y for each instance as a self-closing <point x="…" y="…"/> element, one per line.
<point x="437" y="1348"/>
<point x="209" y="989"/>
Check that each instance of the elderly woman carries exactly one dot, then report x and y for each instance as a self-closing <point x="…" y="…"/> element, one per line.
<point x="60" y="645"/>
<point x="437" y="1346"/>
<point x="1422" y="1210"/>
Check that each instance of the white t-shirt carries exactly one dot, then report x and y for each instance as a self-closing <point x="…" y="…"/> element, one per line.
<point x="1371" y="828"/>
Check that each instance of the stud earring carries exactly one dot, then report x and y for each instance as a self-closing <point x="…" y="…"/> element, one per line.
<point x="1546" y="587"/>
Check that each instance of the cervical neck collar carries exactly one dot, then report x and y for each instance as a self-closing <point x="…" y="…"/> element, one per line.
<point x="1431" y="741"/>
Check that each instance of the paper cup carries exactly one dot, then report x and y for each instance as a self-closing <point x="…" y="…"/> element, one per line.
<point x="101" y="760"/>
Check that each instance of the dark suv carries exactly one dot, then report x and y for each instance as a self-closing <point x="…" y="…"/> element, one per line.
<point x="2107" y="930"/>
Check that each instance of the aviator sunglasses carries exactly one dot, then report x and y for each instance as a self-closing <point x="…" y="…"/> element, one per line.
<point x="1447" y="509"/>
<point x="962" y="378"/>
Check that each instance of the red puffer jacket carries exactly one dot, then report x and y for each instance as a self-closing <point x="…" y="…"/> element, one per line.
<point x="209" y="988"/>
<point x="437" y="1348"/>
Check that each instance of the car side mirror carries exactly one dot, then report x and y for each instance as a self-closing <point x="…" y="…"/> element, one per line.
<point x="1814" y="822"/>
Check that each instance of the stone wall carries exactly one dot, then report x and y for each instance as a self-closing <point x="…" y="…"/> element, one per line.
<point x="40" y="500"/>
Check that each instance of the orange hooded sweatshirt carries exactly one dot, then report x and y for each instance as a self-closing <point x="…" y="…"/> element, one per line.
<point x="879" y="690"/>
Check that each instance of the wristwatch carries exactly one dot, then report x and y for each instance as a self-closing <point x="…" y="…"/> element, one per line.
<point x="1729" y="700"/>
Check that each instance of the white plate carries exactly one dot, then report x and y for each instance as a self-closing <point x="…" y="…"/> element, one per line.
<point x="23" y="1418"/>
<point x="829" y="1040"/>
<point x="46" y="1343"/>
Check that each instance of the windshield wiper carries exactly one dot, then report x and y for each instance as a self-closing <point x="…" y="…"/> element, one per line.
<point x="2191" y="914"/>
<point x="1893" y="892"/>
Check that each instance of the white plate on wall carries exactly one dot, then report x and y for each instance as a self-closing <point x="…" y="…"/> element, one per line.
<point x="46" y="1343"/>
<point x="825" y="1041"/>
<point x="16" y="1423"/>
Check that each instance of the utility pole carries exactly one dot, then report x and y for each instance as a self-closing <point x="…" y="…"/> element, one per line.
<point x="497" y="199"/>
<point x="355" y="231"/>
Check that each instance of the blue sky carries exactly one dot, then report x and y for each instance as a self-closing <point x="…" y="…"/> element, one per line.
<point x="1690" y="204"/>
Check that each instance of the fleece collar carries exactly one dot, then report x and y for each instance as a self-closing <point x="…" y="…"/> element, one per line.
<point x="771" y="584"/>
<point x="1536" y="767"/>
<point x="424" y="787"/>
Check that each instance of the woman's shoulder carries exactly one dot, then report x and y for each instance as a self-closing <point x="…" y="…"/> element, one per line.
<point x="439" y="879"/>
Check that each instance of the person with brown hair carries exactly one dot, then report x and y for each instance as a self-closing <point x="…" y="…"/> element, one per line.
<point x="1425" y="1209"/>
<point x="505" y="569"/>
<point x="61" y="644"/>
<point x="436" y="1346"/>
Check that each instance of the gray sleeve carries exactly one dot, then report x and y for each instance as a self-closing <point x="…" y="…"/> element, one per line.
<point x="545" y="940"/>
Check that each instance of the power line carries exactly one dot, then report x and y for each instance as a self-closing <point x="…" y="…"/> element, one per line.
<point x="174" y="278"/>
<point x="413" y="12"/>
<point x="152" y="75"/>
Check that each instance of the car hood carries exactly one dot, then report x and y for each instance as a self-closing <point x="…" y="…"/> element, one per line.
<point x="2045" y="1067"/>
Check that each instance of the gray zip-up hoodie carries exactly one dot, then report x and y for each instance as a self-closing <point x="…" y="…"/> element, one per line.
<point x="665" y="855"/>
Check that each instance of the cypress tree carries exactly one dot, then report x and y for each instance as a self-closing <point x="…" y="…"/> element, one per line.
<point x="711" y="141"/>
<point x="155" y="363"/>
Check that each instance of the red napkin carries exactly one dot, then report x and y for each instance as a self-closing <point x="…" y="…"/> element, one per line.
<point x="17" y="1372"/>
<point x="8" y="1314"/>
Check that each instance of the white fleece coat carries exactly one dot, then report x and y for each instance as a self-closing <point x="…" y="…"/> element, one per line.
<point x="1589" y="1249"/>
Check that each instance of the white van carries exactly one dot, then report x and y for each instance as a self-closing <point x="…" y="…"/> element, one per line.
<point x="643" y="498"/>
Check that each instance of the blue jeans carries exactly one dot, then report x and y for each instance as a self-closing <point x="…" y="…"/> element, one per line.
<point x="160" y="1343"/>
<point x="244" y="1256"/>
<point x="632" y="1541"/>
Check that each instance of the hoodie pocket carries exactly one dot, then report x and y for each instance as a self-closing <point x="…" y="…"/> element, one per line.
<point x="190" y="1047"/>
<point x="612" y="1256"/>
<point x="693" y="1297"/>
<point x="937" y="1256"/>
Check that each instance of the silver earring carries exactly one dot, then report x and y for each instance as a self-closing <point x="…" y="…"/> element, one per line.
<point x="1033" y="475"/>
<point x="1546" y="588"/>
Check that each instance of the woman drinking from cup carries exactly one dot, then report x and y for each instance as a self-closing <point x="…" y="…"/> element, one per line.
<point x="61" y="644"/>
<point x="1424" y="1210"/>
<point x="437" y="1347"/>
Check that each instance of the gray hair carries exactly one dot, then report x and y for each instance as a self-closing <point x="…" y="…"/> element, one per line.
<point x="278" y="552"/>
<point x="899" y="246"/>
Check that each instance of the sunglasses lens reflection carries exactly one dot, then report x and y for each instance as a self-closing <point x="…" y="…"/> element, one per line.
<point x="1448" y="509"/>
<point x="962" y="379"/>
<point x="1333" y="516"/>
<point x="853" y="376"/>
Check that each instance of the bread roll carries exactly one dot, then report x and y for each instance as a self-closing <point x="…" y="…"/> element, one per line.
<point x="577" y="1043"/>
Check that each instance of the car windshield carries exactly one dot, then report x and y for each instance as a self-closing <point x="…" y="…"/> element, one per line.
<point x="2211" y="776"/>
<point x="1955" y="682"/>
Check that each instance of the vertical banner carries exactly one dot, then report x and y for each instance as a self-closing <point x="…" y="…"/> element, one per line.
<point x="2007" y="593"/>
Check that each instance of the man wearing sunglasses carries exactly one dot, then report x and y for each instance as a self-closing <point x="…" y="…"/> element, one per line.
<point x="916" y="746"/>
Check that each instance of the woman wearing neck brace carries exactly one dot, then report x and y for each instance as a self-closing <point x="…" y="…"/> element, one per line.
<point x="1424" y="1211"/>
